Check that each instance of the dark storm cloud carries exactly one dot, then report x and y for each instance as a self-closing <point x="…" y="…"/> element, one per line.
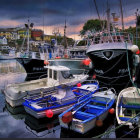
<point x="55" y="11"/>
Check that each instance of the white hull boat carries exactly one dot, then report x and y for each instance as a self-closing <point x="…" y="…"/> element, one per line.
<point x="85" y="115"/>
<point x="57" y="75"/>
<point x="128" y="107"/>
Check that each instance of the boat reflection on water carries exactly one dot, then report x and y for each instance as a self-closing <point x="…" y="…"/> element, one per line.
<point x="42" y="127"/>
<point x="38" y="127"/>
<point x="17" y="113"/>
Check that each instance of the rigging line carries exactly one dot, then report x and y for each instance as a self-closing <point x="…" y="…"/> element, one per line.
<point x="97" y="9"/>
<point x="112" y="77"/>
<point x="129" y="132"/>
<point x="113" y="65"/>
<point x="116" y="127"/>
<point x="129" y="70"/>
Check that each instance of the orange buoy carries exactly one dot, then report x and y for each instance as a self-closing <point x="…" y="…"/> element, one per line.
<point x="46" y="62"/>
<point x="67" y="117"/>
<point x="111" y="110"/>
<point x="138" y="52"/>
<point x="65" y="56"/>
<point x="57" y="57"/>
<point x="94" y="76"/>
<point x="86" y="62"/>
<point x="49" y="113"/>
<point x="99" y="123"/>
<point x="79" y="85"/>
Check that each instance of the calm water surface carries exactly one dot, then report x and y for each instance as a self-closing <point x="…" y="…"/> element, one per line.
<point x="15" y="123"/>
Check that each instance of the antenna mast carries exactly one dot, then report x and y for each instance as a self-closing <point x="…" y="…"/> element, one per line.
<point x="108" y="17"/>
<point x="122" y="15"/>
<point x="28" y="46"/>
<point x="65" y="41"/>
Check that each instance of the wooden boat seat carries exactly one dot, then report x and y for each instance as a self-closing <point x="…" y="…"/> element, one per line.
<point x="98" y="101"/>
<point x="82" y="115"/>
<point x="93" y="106"/>
<point x="131" y="106"/>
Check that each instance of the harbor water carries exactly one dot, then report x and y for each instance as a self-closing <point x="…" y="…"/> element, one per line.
<point x="16" y="123"/>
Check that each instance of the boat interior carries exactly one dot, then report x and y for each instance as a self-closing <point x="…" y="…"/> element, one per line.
<point x="91" y="109"/>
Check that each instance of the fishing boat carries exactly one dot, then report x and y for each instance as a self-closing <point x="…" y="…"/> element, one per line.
<point x="128" y="108"/>
<point x="108" y="54"/>
<point x="108" y="50"/>
<point x="89" y="112"/>
<point x="57" y="75"/>
<point x="58" y="101"/>
<point x="34" y="66"/>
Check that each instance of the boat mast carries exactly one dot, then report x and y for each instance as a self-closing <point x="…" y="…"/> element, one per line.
<point x="65" y="41"/>
<point x="122" y="15"/>
<point x="98" y="13"/>
<point x="136" y="26"/>
<point x="97" y="9"/>
<point x="108" y="17"/>
<point x="28" y="37"/>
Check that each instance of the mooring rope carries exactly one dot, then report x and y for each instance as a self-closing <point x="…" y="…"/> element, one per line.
<point x="115" y="128"/>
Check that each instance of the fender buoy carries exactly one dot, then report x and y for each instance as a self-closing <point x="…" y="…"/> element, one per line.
<point x="49" y="113"/>
<point x="79" y="85"/>
<point x="111" y="110"/>
<point x="67" y="117"/>
<point x="99" y="123"/>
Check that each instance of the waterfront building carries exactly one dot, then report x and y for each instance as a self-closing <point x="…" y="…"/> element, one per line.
<point x="3" y="40"/>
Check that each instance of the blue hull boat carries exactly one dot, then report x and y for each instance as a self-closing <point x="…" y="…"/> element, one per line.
<point x="58" y="100"/>
<point x="89" y="112"/>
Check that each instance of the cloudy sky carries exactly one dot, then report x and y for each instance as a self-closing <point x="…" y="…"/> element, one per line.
<point x="14" y="13"/>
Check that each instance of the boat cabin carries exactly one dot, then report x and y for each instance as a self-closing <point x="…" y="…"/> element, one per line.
<point x="58" y="74"/>
<point x="129" y="107"/>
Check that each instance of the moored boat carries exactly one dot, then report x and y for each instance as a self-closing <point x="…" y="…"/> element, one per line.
<point x="91" y="111"/>
<point x="57" y="75"/>
<point x="108" y="51"/>
<point x="58" y="101"/>
<point x="128" y="108"/>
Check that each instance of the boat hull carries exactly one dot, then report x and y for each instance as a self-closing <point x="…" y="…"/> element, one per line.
<point x="85" y="126"/>
<point x="33" y="67"/>
<point x="112" y="69"/>
<point x="42" y="114"/>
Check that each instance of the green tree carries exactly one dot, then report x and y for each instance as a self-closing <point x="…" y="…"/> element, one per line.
<point x="92" y="24"/>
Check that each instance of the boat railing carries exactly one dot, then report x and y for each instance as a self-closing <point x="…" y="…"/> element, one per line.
<point x="103" y="89"/>
<point x="110" y="37"/>
<point x="110" y="98"/>
<point x="91" y="81"/>
<point x="88" y="93"/>
<point x="39" y="95"/>
<point x="51" y="102"/>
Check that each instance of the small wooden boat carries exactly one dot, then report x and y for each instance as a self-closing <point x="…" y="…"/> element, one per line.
<point x="57" y="75"/>
<point x="91" y="111"/>
<point x="58" y="101"/>
<point x="128" y="107"/>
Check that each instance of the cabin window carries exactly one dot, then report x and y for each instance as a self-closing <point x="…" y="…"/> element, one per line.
<point x="127" y="112"/>
<point x="50" y="73"/>
<point x="55" y="75"/>
<point x="66" y="74"/>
